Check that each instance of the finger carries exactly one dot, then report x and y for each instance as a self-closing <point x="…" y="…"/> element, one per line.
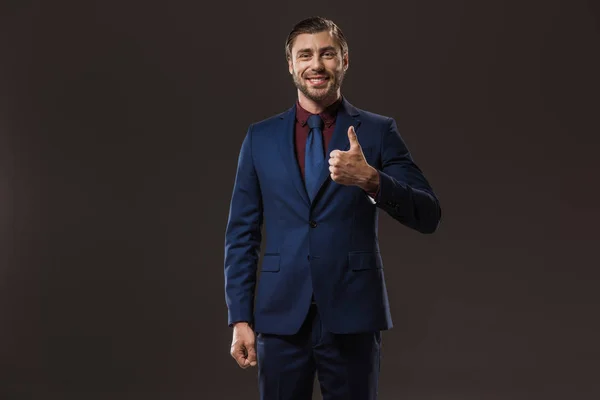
<point x="251" y="356"/>
<point x="334" y="161"/>
<point x="241" y="360"/>
<point x="353" y="138"/>
<point x="239" y="355"/>
<point x="334" y="154"/>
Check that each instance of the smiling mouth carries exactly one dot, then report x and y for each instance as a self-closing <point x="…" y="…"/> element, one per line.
<point x="318" y="80"/>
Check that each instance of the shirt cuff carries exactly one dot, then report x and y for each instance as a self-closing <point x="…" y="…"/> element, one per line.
<point x="373" y="196"/>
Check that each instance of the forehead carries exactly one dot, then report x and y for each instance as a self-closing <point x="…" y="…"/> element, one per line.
<point x="314" y="41"/>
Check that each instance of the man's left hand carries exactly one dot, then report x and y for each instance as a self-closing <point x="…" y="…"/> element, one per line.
<point x="351" y="168"/>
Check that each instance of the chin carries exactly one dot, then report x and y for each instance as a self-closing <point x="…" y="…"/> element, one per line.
<point x="317" y="94"/>
<point x="320" y="93"/>
<point x="318" y="97"/>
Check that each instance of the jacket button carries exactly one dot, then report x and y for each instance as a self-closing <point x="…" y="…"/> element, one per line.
<point x="313" y="224"/>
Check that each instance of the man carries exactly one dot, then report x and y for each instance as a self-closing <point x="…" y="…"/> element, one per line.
<point x="317" y="176"/>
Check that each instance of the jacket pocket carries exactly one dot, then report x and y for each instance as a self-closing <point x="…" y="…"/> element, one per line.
<point x="363" y="260"/>
<point x="270" y="263"/>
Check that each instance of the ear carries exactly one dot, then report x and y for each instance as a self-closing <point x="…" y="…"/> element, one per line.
<point x="290" y="66"/>
<point x="345" y="61"/>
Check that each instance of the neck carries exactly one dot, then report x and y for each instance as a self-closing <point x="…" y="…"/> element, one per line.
<point x="317" y="107"/>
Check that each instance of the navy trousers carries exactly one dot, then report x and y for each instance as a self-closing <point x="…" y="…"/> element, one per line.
<point x="347" y="366"/>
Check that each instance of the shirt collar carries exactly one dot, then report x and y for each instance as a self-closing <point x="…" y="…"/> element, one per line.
<point x="328" y="115"/>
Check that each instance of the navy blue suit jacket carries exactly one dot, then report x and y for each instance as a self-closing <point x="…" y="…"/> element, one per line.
<point x="327" y="247"/>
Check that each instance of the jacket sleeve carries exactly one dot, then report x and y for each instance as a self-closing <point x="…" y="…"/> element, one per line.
<point x="404" y="192"/>
<point x="243" y="237"/>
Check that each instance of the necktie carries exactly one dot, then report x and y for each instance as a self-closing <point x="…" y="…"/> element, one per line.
<point x="314" y="154"/>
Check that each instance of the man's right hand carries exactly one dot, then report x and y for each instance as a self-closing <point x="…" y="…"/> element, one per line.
<point x="242" y="345"/>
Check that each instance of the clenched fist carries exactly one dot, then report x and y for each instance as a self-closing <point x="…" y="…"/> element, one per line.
<point x="351" y="168"/>
<point x="242" y="345"/>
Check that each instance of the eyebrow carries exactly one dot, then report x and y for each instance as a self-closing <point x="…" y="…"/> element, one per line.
<point x="307" y="50"/>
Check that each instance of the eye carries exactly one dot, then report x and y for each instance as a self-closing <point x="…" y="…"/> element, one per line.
<point x="329" y="54"/>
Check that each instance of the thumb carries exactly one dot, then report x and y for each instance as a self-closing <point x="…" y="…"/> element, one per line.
<point x="353" y="138"/>
<point x="251" y="355"/>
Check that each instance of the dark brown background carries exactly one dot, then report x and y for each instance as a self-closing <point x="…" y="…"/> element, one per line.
<point x="120" y="126"/>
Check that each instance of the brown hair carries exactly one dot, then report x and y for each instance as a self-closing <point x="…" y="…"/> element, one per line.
<point x="315" y="25"/>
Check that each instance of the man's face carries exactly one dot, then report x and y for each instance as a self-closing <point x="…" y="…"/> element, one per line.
<point x="317" y="65"/>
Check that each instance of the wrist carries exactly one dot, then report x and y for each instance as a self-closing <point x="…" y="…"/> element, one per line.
<point x="370" y="183"/>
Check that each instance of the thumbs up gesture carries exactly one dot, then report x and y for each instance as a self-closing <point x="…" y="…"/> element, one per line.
<point x="350" y="167"/>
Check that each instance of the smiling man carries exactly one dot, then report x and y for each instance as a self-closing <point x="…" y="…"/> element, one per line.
<point x="317" y="176"/>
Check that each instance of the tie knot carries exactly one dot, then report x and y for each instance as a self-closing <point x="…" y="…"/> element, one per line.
<point x="315" y="121"/>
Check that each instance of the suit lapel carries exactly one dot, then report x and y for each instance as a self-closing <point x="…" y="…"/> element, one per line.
<point x="347" y="115"/>
<point x="287" y="150"/>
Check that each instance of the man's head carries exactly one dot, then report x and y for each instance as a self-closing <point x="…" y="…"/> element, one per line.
<point x="317" y="55"/>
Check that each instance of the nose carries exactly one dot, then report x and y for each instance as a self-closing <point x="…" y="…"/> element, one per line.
<point x="316" y="63"/>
